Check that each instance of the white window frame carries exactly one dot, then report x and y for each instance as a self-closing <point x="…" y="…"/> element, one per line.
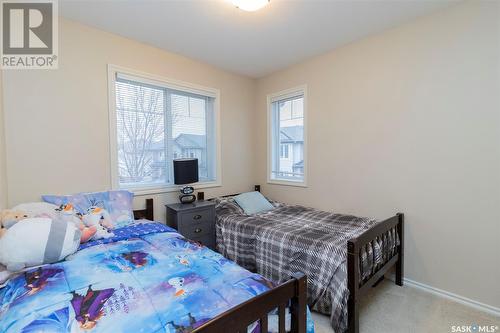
<point x="113" y="70"/>
<point x="284" y="94"/>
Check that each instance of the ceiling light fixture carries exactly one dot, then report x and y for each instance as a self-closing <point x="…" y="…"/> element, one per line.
<point x="250" y="5"/>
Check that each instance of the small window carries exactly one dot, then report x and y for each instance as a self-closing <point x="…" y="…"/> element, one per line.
<point x="284" y="151"/>
<point x="155" y="123"/>
<point x="287" y="139"/>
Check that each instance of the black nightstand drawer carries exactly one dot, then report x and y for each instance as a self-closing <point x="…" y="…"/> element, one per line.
<point x="195" y="230"/>
<point x="197" y="216"/>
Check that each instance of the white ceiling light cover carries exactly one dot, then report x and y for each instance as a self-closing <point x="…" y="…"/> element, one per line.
<point x="250" y="5"/>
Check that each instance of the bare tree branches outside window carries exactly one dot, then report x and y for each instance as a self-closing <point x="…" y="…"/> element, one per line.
<point x="157" y="124"/>
<point x="141" y="127"/>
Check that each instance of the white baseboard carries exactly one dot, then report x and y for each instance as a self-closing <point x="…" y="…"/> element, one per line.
<point x="451" y="296"/>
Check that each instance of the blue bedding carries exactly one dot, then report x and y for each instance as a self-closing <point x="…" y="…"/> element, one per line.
<point x="147" y="278"/>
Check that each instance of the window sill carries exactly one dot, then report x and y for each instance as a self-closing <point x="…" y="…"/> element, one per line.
<point x="287" y="182"/>
<point x="138" y="191"/>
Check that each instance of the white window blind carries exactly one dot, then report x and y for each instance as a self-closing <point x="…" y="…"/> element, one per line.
<point x="287" y="137"/>
<point x="154" y="125"/>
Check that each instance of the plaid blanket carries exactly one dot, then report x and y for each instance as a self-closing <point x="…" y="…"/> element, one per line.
<point x="293" y="238"/>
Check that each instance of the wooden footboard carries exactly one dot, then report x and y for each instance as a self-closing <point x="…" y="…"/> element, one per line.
<point x="237" y="319"/>
<point x="358" y="288"/>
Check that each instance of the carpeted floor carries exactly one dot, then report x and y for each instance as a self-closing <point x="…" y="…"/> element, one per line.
<point x="389" y="308"/>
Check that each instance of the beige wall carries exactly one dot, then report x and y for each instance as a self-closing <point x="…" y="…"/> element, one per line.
<point x="57" y="120"/>
<point x="3" y="173"/>
<point x="409" y="120"/>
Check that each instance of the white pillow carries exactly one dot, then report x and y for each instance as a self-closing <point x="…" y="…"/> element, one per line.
<point x="43" y="241"/>
<point x="38" y="209"/>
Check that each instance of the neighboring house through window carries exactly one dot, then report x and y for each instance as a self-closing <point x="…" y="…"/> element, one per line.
<point x="154" y="122"/>
<point x="284" y="151"/>
<point x="287" y="143"/>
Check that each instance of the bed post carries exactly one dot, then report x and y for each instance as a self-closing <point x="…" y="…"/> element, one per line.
<point x="353" y="286"/>
<point x="298" y="306"/>
<point x="400" y="262"/>
<point x="146" y="213"/>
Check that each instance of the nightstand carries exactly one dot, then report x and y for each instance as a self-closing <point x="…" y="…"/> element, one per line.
<point x="195" y="221"/>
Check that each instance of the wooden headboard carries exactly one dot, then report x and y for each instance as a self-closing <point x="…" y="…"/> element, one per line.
<point x="147" y="213"/>
<point x="255" y="188"/>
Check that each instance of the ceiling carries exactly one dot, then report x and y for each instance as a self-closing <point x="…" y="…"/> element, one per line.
<point x="249" y="43"/>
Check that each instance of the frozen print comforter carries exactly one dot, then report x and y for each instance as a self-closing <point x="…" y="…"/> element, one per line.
<point x="147" y="278"/>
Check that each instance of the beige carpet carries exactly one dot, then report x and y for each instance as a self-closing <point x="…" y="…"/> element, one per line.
<point x="389" y="308"/>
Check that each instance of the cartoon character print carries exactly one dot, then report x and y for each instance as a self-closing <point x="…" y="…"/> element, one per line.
<point x="97" y="211"/>
<point x="36" y="280"/>
<point x="25" y="285"/>
<point x="136" y="258"/>
<point x="178" y="284"/>
<point x="183" y="260"/>
<point x="99" y="218"/>
<point x="184" y="244"/>
<point x="89" y="307"/>
<point x="126" y="261"/>
<point x="69" y="213"/>
<point x="57" y="321"/>
<point x="183" y="285"/>
<point x="193" y="323"/>
<point x="66" y="209"/>
<point x="101" y="215"/>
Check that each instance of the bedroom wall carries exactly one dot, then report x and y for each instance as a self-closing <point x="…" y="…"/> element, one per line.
<point x="3" y="173"/>
<point x="57" y="120"/>
<point x="408" y="120"/>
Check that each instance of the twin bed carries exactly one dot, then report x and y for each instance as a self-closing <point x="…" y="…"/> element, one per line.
<point x="149" y="278"/>
<point x="341" y="255"/>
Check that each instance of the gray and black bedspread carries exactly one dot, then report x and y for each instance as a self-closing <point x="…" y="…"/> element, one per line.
<point x="291" y="238"/>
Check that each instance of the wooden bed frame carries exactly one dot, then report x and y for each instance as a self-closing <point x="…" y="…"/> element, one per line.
<point x="146" y="213"/>
<point x="358" y="289"/>
<point x="292" y="293"/>
<point x="237" y="319"/>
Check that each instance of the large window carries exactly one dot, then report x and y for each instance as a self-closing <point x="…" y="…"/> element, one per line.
<point x="287" y="139"/>
<point x="155" y="122"/>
